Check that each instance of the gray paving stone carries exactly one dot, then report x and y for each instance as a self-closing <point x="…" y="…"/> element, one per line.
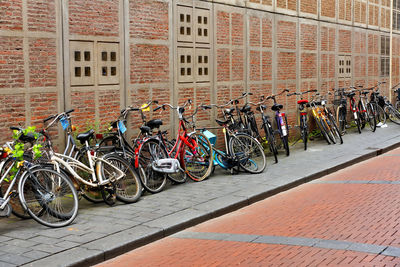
<point x="84" y="238"/>
<point x="391" y="251"/>
<point x="35" y="254"/>
<point x="5" y="264"/>
<point x="15" y="259"/>
<point x="49" y="248"/>
<point x="74" y="256"/>
<point x="367" y="248"/>
<point x="67" y="244"/>
<point x="270" y="240"/>
<point x="333" y="244"/>
<point x="44" y="240"/>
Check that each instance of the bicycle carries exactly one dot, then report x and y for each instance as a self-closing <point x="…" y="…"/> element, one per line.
<point x="354" y="108"/>
<point x="281" y="121"/>
<point x="378" y="102"/>
<point x="392" y="113"/>
<point x="191" y="154"/>
<point x="367" y="112"/>
<point x="266" y="125"/>
<point x="48" y="196"/>
<point x="241" y="149"/>
<point x="109" y="174"/>
<point x="303" y="116"/>
<point x="331" y="121"/>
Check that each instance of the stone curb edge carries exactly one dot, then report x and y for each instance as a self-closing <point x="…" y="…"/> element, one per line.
<point x="96" y="256"/>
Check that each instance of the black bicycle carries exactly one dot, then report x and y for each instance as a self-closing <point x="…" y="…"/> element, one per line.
<point x="303" y="115"/>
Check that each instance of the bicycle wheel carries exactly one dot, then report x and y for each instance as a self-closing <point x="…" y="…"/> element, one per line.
<point x="341" y="119"/>
<point x="380" y="115"/>
<point x="49" y="197"/>
<point x="92" y="194"/>
<point x="363" y="115"/>
<point x="304" y="130"/>
<point x="323" y="131"/>
<point x="327" y="124"/>
<point x="357" y="120"/>
<point x="393" y="114"/>
<point x="334" y="128"/>
<point x="129" y="187"/>
<point x="179" y="177"/>
<point x="371" y="117"/>
<point x="151" y="151"/>
<point x="198" y="162"/>
<point x="269" y="133"/>
<point x="17" y="208"/>
<point x="397" y="105"/>
<point x="248" y="152"/>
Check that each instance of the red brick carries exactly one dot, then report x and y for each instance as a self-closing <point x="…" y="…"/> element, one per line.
<point x="42" y="62"/>
<point x="11" y="15"/>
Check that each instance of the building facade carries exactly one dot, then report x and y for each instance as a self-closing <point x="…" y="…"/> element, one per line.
<point x="98" y="56"/>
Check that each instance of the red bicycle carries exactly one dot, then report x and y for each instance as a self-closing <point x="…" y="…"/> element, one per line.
<point x="190" y="154"/>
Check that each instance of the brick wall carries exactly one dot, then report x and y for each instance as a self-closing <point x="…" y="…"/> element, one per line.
<point x="251" y="49"/>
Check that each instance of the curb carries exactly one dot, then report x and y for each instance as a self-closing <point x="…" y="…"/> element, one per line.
<point x="98" y="256"/>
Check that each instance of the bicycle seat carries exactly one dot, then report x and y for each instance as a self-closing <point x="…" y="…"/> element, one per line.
<point x="85" y="136"/>
<point x="145" y="130"/>
<point x="222" y="123"/>
<point x="365" y="93"/>
<point x="156" y="123"/>
<point x="27" y="138"/>
<point x="302" y="101"/>
<point x="229" y="111"/>
<point x="245" y="109"/>
<point x="277" y="107"/>
<point x="264" y="107"/>
<point x="351" y="94"/>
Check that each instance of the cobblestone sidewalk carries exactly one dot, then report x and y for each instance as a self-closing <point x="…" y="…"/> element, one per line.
<point x="101" y="232"/>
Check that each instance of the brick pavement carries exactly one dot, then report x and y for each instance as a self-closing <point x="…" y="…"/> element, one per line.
<point x="339" y="224"/>
<point x="101" y="232"/>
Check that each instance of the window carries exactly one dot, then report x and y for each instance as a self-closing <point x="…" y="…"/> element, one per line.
<point x="193" y="41"/>
<point x="344" y="69"/>
<point x="81" y="64"/>
<point x="108" y="65"/>
<point x="385" y="55"/>
<point x="396" y="15"/>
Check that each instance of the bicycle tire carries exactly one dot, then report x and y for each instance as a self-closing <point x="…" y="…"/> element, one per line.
<point x="244" y="147"/>
<point x="371" y="117"/>
<point x="397" y="105"/>
<point x="357" y="120"/>
<point x="328" y="128"/>
<point x="128" y="188"/>
<point x="341" y="119"/>
<point x="271" y="141"/>
<point x="150" y="151"/>
<point x="42" y="193"/>
<point x="380" y="115"/>
<point x="179" y="177"/>
<point x="304" y="130"/>
<point x="91" y="194"/>
<point x="335" y="129"/>
<point x="17" y="208"/>
<point x="393" y="114"/>
<point x="323" y="132"/>
<point x="363" y="118"/>
<point x="198" y="164"/>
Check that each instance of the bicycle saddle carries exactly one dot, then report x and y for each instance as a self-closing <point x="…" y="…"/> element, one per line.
<point x="145" y="129"/>
<point x="222" y="123"/>
<point x="277" y="107"/>
<point x="156" y="123"/>
<point x="302" y="101"/>
<point x="264" y="107"/>
<point x="27" y="138"/>
<point x="351" y="94"/>
<point x="85" y="136"/>
<point x="365" y="93"/>
<point x="245" y="109"/>
<point x="229" y="111"/>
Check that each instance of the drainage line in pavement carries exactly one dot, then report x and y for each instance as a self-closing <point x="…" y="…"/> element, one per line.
<point x="294" y="241"/>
